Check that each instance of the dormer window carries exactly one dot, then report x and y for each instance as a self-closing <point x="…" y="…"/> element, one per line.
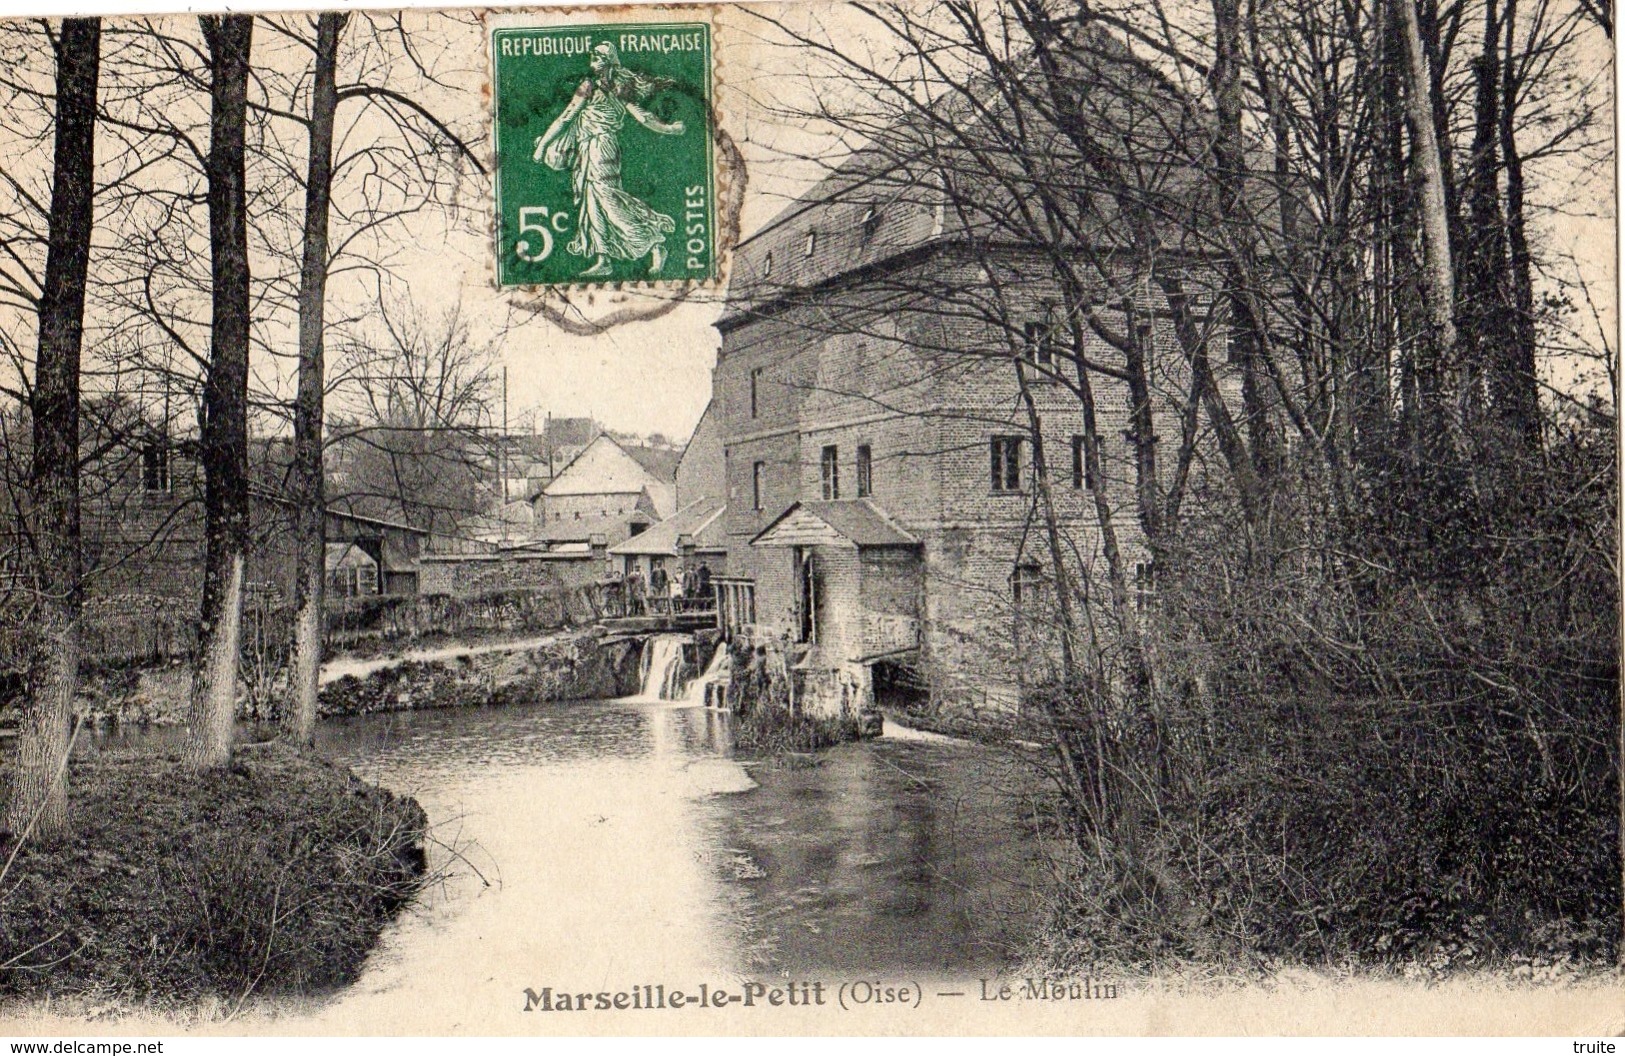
<point x="812" y="242"/>
<point x="870" y="222"/>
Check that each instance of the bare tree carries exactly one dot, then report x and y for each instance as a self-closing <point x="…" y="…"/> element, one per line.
<point x="38" y="794"/>
<point x="412" y="121"/>
<point x="223" y="444"/>
<point x="1311" y="451"/>
<point x="309" y="494"/>
<point x="416" y="392"/>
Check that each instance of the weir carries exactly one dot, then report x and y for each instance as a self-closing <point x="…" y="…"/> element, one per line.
<point x="662" y="667"/>
<point x="707" y="689"/>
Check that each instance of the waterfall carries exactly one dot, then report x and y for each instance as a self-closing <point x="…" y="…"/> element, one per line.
<point x="662" y="666"/>
<point x="716" y="674"/>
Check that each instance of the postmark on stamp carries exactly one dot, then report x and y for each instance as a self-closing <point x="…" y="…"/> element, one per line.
<point x="605" y="170"/>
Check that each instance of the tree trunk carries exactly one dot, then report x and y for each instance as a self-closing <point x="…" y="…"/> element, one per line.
<point x="1142" y="421"/>
<point x="1485" y="286"/>
<point x="38" y="800"/>
<point x="1435" y="371"/>
<point x="309" y="490"/>
<point x="1062" y="730"/>
<point x="1522" y="391"/>
<point x="1249" y="489"/>
<point x="1230" y="173"/>
<point x="223" y="443"/>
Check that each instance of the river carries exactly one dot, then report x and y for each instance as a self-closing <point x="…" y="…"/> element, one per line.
<point x="605" y="844"/>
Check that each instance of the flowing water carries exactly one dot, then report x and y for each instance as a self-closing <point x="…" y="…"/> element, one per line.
<point x="661" y="665"/>
<point x="712" y="681"/>
<point x="604" y="844"/>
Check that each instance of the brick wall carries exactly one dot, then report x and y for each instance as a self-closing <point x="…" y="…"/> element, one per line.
<point x="927" y="385"/>
<point x="840" y="606"/>
<point x="570" y="509"/>
<point x="461" y="577"/>
<point x="700" y="474"/>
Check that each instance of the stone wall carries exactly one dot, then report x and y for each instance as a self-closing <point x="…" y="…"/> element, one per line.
<point x="464" y="575"/>
<point x="763" y="675"/>
<point x="369" y="622"/>
<point x="573" y="667"/>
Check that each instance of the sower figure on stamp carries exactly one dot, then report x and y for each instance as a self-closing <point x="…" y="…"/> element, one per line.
<point x="585" y="139"/>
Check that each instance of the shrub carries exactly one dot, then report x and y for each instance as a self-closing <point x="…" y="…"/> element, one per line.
<point x="273" y="876"/>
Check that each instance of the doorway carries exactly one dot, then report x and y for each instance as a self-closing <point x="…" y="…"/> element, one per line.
<point x="807" y="596"/>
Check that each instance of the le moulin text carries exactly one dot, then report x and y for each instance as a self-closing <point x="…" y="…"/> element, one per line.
<point x="802" y="994"/>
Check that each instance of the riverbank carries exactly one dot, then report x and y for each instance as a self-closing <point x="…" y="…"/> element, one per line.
<point x="274" y="876"/>
<point x="487" y="669"/>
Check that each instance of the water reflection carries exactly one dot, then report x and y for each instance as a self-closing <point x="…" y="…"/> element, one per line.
<point x="614" y="842"/>
<point x="888" y="855"/>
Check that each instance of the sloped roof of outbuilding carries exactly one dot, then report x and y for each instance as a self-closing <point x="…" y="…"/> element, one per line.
<point x="661" y="538"/>
<point x="838" y="522"/>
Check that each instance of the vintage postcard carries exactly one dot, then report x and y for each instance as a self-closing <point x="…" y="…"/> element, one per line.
<point x="980" y="517"/>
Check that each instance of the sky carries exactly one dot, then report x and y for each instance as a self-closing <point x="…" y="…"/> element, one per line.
<point x="655" y="375"/>
<point x="644" y="376"/>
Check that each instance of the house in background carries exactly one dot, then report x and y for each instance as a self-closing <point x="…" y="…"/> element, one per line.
<point x="605" y="481"/>
<point x="694" y="535"/>
<point x="142" y="519"/>
<point x="562" y="440"/>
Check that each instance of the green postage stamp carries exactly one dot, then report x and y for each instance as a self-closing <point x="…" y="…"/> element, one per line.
<point x="604" y="154"/>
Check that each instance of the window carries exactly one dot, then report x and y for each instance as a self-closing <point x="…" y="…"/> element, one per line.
<point x="1006" y="460"/>
<point x="866" y="471"/>
<point x="756" y="475"/>
<point x="755" y="392"/>
<point x="812" y="242"/>
<point x="870" y="222"/>
<point x="1038" y="338"/>
<point x="1038" y="345"/>
<point x="829" y="464"/>
<point x="767" y="265"/>
<point x="1081" y="477"/>
<point x="1145" y="584"/>
<point x="1027" y="583"/>
<point x="346" y="582"/>
<point x="366" y="580"/>
<point x="155" y="464"/>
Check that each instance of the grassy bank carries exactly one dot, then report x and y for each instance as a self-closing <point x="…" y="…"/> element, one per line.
<point x="274" y="876"/>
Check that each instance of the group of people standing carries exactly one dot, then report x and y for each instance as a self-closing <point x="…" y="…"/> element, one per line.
<point x="689" y="588"/>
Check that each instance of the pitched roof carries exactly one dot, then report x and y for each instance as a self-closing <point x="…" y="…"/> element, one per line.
<point x="570" y="430"/>
<point x="603" y="467"/>
<point x="662" y="538"/>
<point x="917" y="185"/>
<point x="837" y="522"/>
<point x="661" y="462"/>
<point x="713" y="535"/>
<point x="338" y="553"/>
